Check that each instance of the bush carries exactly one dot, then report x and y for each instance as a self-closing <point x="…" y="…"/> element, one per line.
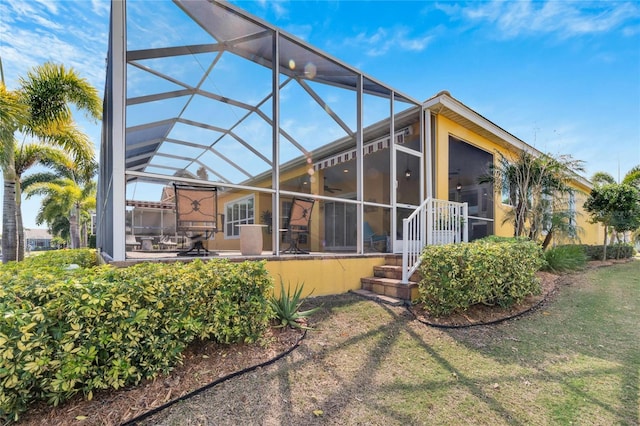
<point x="458" y="276"/>
<point x="565" y="258"/>
<point x="68" y="331"/>
<point x="614" y="251"/>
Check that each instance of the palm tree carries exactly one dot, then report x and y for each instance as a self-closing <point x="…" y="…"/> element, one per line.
<point x="65" y="198"/>
<point x="538" y="185"/>
<point x="40" y="108"/>
<point x="25" y="157"/>
<point x="70" y="195"/>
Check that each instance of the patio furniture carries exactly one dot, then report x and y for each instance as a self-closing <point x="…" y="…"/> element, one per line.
<point x="147" y="243"/>
<point x="196" y="215"/>
<point x="376" y="242"/>
<point x="131" y="242"/>
<point x="298" y="223"/>
<point x="167" y="243"/>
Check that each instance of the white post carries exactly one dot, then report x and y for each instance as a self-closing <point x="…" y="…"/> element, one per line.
<point x="405" y="251"/>
<point x="465" y="226"/>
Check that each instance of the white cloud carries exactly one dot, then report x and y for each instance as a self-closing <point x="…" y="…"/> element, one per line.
<point x="101" y="7"/>
<point x="51" y="6"/>
<point x="565" y="19"/>
<point x="383" y="40"/>
<point x="61" y="32"/>
<point x="278" y="7"/>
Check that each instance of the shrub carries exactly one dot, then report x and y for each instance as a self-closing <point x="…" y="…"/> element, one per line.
<point x="460" y="275"/>
<point x="565" y="258"/>
<point x="614" y="251"/>
<point x="69" y="331"/>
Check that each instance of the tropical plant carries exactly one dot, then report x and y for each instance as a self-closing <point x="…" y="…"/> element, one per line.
<point x="616" y="206"/>
<point x="565" y="258"/>
<point x="560" y="223"/>
<point x="40" y="109"/>
<point x="58" y="242"/>
<point x="65" y="197"/>
<point x="26" y="156"/>
<point x="287" y="307"/>
<point x="632" y="177"/>
<point x="538" y="185"/>
<point x="66" y="215"/>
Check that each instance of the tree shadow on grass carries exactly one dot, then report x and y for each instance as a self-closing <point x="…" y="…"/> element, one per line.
<point x="581" y="338"/>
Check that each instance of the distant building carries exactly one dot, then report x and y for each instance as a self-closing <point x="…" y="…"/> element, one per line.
<point x="37" y="239"/>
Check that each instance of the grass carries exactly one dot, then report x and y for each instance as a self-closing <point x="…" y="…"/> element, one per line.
<point x="574" y="361"/>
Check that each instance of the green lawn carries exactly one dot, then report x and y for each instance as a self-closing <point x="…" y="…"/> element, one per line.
<point x="576" y="360"/>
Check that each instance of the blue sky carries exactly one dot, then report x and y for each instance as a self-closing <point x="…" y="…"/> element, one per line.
<point x="563" y="76"/>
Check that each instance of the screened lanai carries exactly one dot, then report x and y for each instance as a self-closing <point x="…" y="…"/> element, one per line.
<point x="202" y="93"/>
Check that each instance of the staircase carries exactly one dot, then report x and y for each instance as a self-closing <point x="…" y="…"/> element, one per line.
<point x="386" y="284"/>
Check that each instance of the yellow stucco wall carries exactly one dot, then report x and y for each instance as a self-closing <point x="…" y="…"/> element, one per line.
<point x="323" y="276"/>
<point x="446" y="128"/>
<point x="589" y="233"/>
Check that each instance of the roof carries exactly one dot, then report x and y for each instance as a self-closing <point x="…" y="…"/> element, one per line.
<point x="37" y="234"/>
<point x="446" y="105"/>
<point x="205" y="101"/>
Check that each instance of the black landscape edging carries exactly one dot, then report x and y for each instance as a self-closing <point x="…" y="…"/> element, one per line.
<point x="156" y="410"/>
<point x="499" y="320"/>
<point x="532" y="308"/>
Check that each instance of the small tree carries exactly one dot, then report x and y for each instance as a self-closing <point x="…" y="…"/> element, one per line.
<point x="58" y="242"/>
<point x="632" y="177"/>
<point x="537" y="184"/>
<point x="614" y="205"/>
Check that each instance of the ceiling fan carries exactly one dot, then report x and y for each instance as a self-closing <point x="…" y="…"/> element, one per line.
<point x="329" y="189"/>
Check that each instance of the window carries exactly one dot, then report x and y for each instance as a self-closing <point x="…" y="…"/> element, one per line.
<point x="467" y="164"/>
<point x="238" y="212"/>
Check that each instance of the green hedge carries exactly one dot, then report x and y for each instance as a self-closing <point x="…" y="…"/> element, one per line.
<point x="457" y="276"/>
<point x="68" y="331"/>
<point x="614" y="251"/>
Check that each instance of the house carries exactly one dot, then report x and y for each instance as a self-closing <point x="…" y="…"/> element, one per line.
<point x="37" y="239"/>
<point x="231" y="102"/>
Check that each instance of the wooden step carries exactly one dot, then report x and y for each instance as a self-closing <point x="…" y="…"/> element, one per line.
<point x="393" y="271"/>
<point x="393" y="259"/>
<point x="390" y="287"/>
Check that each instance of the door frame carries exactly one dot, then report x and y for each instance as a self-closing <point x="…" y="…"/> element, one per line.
<point x="396" y="225"/>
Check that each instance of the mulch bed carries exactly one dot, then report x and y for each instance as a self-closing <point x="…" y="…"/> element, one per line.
<point x="482" y="314"/>
<point x="203" y="363"/>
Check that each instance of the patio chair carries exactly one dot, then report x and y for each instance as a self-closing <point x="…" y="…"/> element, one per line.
<point x="376" y="242"/>
<point x="167" y="243"/>
<point x="196" y="215"/>
<point x="298" y="223"/>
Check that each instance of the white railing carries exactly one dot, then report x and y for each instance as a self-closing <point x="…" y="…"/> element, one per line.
<point x="434" y="222"/>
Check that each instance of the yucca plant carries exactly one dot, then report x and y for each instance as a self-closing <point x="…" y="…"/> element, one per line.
<point x="287" y="307"/>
